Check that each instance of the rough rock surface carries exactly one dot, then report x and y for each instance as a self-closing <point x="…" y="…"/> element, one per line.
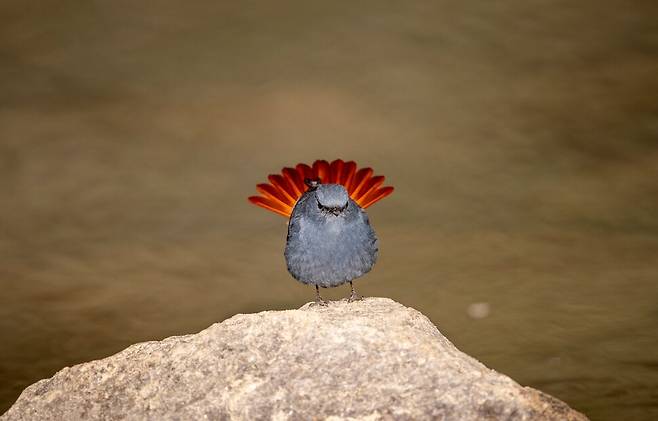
<point x="373" y="359"/>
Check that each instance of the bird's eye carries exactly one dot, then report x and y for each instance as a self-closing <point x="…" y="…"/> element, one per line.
<point x="334" y="210"/>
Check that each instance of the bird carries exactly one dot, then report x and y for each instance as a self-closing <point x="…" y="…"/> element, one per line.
<point x="330" y="241"/>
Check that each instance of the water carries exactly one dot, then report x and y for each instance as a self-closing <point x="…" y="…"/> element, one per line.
<point x="522" y="140"/>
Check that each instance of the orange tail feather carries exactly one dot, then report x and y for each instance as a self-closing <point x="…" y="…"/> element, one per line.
<point x="286" y="188"/>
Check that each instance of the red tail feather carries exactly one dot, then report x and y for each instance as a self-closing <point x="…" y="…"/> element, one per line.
<point x="284" y="190"/>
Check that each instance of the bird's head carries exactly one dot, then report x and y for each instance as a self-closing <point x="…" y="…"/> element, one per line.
<point x="332" y="198"/>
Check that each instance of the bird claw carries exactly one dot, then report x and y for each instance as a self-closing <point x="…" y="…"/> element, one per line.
<point x="319" y="303"/>
<point x="354" y="297"/>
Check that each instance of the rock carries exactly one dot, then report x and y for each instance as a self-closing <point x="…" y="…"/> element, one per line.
<point x="373" y="359"/>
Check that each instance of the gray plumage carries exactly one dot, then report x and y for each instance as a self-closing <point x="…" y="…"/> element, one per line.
<point x="330" y="240"/>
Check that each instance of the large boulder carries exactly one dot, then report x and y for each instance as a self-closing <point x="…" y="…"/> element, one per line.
<point x="373" y="359"/>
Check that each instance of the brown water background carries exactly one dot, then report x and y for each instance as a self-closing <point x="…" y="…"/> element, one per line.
<point x="521" y="137"/>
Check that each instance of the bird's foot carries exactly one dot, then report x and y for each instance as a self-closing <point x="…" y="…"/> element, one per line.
<point x="319" y="303"/>
<point x="318" y="300"/>
<point x="354" y="297"/>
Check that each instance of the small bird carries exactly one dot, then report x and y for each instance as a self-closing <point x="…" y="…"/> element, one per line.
<point x="330" y="240"/>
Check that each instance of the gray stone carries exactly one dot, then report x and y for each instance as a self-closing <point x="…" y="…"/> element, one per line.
<point x="370" y="360"/>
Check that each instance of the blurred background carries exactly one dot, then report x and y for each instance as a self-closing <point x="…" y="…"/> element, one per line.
<point x="521" y="137"/>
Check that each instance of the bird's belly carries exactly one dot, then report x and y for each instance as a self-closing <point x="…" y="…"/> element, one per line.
<point x="331" y="255"/>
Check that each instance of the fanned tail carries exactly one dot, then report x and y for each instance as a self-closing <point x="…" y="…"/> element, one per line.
<point x="284" y="189"/>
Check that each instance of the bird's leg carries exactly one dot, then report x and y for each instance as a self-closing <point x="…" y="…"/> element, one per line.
<point x="354" y="296"/>
<point x="318" y="300"/>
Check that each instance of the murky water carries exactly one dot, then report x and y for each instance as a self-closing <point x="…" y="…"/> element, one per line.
<point x="522" y="140"/>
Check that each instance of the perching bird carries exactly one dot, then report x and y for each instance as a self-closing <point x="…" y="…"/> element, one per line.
<point x="330" y="240"/>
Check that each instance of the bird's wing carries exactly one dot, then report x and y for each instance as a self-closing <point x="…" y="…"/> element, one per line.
<point x="284" y="189"/>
